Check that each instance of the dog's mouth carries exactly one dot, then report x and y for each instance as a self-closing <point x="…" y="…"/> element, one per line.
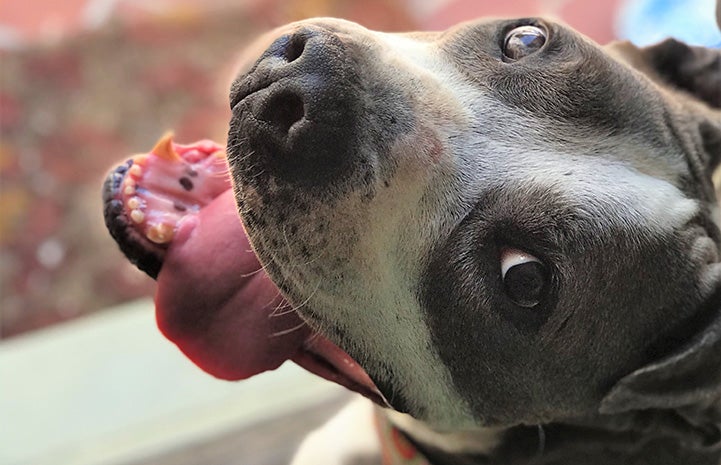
<point x="173" y="214"/>
<point x="325" y="359"/>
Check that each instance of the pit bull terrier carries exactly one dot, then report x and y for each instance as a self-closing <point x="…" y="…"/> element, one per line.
<point x="503" y="234"/>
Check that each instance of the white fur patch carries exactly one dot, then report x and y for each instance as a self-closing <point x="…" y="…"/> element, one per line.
<point x="476" y="441"/>
<point x="349" y="438"/>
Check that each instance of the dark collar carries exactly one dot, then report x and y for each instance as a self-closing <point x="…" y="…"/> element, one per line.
<point x="656" y="436"/>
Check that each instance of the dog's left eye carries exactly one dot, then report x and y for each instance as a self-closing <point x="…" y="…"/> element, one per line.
<point x="525" y="278"/>
<point x="523" y="41"/>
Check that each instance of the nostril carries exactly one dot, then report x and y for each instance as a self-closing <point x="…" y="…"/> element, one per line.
<point x="283" y="110"/>
<point x="295" y="48"/>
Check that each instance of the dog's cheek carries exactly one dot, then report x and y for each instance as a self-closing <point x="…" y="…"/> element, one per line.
<point x="687" y="367"/>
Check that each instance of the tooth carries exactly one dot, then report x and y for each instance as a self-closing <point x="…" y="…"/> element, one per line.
<point x="164" y="148"/>
<point x="136" y="171"/>
<point x="137" y="216"/>
<point x="160" y="233"/>
<point x="133" y="203"/>
<point x="129" y="190"/>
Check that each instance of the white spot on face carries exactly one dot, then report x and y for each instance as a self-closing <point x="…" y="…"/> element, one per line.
<point x="612" y="192"/>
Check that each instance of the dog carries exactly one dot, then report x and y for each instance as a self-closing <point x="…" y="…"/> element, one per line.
<point x="504" y="235"/>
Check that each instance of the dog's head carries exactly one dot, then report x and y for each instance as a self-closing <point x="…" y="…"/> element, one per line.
<point x="503" y="222"/>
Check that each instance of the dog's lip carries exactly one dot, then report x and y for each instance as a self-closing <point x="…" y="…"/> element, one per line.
<point x="325" y="359"/>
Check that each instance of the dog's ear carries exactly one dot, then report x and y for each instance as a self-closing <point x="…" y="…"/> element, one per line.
<point x="687" y="371"/>
<point x="690" y="78"/>
<point x="696" y="70"/>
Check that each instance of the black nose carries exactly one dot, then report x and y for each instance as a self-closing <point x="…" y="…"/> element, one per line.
<point x="296" y="113"/>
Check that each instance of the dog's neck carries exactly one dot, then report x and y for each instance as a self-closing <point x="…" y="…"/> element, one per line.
<point x="660" y="437"/>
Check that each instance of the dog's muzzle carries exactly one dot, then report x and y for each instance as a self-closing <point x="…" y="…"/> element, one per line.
<point x="295" y="113"/>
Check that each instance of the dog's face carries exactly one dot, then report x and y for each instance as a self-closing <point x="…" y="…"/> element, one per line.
<point x="498" y="222"/>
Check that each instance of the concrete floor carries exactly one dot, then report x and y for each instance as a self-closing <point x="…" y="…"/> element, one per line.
<point x="110" y="390"/>
<point x="269" y="442"/>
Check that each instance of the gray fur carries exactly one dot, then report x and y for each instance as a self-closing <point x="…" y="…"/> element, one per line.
<point x="381" y="213"/>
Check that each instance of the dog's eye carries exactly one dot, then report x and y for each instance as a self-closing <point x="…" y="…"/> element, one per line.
<point x="525" y="278"/>
<point x="523" y="41"/>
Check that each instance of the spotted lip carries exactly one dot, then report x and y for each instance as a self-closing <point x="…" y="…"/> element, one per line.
<point x="147" y="198"/>
<point x="141" y="252"/>
<point x="323" y="358"/>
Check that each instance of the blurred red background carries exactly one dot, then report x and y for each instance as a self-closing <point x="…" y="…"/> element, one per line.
<point x="85" y="82"/>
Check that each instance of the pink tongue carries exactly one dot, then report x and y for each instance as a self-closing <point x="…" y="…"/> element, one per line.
<point x="226" y="315"/>
<point x="215" y="304"/>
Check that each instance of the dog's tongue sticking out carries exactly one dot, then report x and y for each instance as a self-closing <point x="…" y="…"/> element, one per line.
<point x="215" y="304"/>
<point x="173" y="214"/>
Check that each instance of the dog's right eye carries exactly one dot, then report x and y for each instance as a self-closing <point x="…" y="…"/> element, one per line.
<point x="525" y="278"/>
<point x="523" y="41"/>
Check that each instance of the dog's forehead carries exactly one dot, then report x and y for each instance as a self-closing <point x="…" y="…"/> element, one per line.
<point x="583" y="99"/>
<point x="474" y="131"/>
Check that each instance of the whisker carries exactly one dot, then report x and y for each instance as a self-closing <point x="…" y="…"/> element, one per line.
<point x="295" y="308"/>
<point x="254" y="272"/>
<point x="313" y="337"/>
<point x="219" y="174"/>
<point x="273" y="299"/>
<point x="277" y="310"/>
<point x="288" y="331"/>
